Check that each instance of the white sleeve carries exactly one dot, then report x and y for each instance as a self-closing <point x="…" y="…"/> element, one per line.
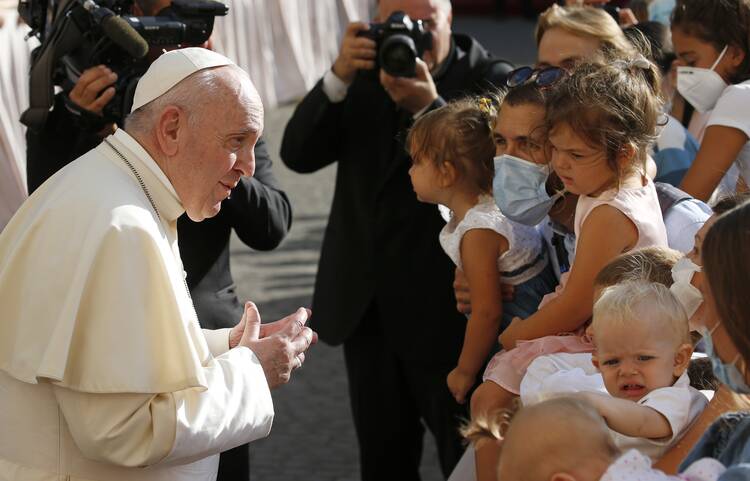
<point x="732" y="107"/>
<point x="334" y="88"/>
<point x="555" y="374"/>
<point x="135" y="429"/>
<point x="129" y="430"/>
<point x="217" y="340"/>
<point x="235" y="409"/>
<point x="679" y="405"/>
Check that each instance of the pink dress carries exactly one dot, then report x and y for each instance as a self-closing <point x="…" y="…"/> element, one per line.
<point x="640" y="205"/>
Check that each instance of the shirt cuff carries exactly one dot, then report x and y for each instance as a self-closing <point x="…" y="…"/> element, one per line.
<point x="217" y="340"/>
<point x="421" y="111"/>
<point x="334" y="88"/>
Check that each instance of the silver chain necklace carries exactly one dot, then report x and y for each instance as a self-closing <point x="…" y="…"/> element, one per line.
<point x="150" y="200"/>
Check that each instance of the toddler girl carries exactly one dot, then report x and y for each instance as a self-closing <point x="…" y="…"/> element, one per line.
<point x="711" y="41"/>
<point x="452" y="151"/>
<point x="601" y="120"/>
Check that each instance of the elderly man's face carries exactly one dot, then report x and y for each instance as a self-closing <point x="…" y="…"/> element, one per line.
<point x="219" y="148"/>
<point x="437" y="19"/>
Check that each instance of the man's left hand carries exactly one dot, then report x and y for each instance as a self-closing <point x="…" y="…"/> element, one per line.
<point x="266" y="330"/>
<point x="411" y="94"/>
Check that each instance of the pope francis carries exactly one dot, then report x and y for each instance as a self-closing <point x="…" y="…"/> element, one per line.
<point x="104" y="371"/>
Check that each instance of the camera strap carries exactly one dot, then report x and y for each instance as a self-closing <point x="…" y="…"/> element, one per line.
<point x="66" y="37"/>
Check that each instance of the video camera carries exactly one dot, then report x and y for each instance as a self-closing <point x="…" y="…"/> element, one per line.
<point x="400" y="40"/>
<point x="78" y="34"/>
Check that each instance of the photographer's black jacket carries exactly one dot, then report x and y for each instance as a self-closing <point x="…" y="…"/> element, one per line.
<point x="381" y="244"/>
<point x="258" y="211"/>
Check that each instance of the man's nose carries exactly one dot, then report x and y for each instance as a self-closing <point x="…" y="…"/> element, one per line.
<point x="246" y="163"/>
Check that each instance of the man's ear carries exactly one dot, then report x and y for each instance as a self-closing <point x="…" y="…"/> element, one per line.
<point x="169" y="125"/>
<point x="562" y="477"/>
<point x="682" y="359"/>
<point x="448" y="174"/>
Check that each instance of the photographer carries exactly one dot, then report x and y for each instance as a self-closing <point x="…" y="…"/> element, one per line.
<point x="258" y="210"/>
<point x="384" y="285"/>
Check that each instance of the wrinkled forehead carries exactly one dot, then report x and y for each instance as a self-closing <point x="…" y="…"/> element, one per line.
<point x="237" y="105"/>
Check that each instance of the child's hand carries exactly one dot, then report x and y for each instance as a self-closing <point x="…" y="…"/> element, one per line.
<point x="459" y="383"/>
<point x="507" y="338"/>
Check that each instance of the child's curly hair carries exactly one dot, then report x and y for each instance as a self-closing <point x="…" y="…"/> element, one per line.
<point x="460" y="133"/>
<point x="615" y="104"/>
<point x="490" y="426"/>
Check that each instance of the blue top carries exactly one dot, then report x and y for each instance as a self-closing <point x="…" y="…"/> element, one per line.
<point x="674" y="152"/>
<point x="728" y="441"/>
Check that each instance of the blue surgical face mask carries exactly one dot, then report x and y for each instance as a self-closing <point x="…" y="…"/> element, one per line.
<point x="728" y="374"/>
<point x="520" y="190"/>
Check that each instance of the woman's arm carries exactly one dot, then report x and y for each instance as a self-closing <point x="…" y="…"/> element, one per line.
<point x="719" y="148"/>
<point x="606" y="233"/>
<point x="480" y="249"/>
<point x="724" y="401"/>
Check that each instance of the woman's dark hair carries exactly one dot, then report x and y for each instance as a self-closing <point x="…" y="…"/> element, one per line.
<point x="658" y="39"/>
<point x="719" y="22"/>
<point x="726" y="262"/>
<point x="729" y="202"/>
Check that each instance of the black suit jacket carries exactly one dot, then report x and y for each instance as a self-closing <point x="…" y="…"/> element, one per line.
<point x="258" y="210"/>
<point x="381" y="244"/>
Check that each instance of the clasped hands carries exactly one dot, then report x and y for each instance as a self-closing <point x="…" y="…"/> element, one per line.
<point x="280" y="346"/>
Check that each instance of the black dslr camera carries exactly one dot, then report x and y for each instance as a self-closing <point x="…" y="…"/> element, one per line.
<point x="400" y="40"/>
<point x="78" y="34"/>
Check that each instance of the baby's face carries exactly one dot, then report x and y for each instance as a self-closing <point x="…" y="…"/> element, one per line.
<point x="636" y="358"/>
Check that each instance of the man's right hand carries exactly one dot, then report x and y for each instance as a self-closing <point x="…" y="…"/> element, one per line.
<point x="356" y="53"/>
<point x="281" y="351"/>
<point x="94" y="89"/>
<point x="463" y="295"/>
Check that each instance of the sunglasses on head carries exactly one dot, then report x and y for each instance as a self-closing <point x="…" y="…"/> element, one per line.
<point x="543" y="77"/>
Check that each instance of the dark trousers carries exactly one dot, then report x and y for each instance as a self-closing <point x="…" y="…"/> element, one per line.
<point x="234" y="464"/>
<point x="390" y="397"/>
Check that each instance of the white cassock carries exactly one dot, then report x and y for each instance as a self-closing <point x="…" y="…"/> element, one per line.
<point x="105" y="373"/>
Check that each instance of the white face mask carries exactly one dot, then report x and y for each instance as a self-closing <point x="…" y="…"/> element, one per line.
<point x="702" y="87"/>
<point x="688" y="295"/>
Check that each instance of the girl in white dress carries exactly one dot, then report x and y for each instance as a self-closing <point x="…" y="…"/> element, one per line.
<point x="453" y="153"/>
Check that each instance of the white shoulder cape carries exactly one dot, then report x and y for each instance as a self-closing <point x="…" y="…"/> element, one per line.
<point x="91" y="290"/>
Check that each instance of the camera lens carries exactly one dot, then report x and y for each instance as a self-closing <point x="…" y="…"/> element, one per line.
<point x="398" y="56"/>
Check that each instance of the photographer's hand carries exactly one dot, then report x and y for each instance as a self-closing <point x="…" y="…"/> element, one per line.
<point x="356" y="53"/>
<point x="94" y="89"/>
<point x="411" y="94"/>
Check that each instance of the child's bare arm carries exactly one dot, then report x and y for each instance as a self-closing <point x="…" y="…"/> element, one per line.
<point x="630" y="418"/>
<point x="480" y="249"/>
<point x="606" y="233"/>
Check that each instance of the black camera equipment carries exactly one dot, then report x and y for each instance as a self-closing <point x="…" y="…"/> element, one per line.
<point x="78" y="34"/>
<point x="400" y="40"/>
<point x="613" y="11"/>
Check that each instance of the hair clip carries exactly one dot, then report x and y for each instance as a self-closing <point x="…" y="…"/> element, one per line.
<point x="486" y="105"/>
<point x="641" y="62"/>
